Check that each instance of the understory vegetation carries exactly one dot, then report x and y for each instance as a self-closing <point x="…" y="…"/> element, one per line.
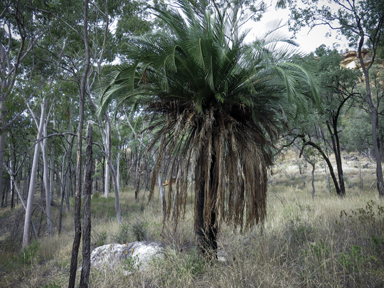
<point x="326" y="242"/>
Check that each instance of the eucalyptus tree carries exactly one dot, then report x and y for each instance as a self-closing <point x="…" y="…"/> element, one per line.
<point x="362" y="22"/>
<point x="21" y="28"/>
<point x="338" y="92"/>
<point x="216" y="108"/>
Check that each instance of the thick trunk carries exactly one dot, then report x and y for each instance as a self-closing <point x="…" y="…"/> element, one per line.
<point x="207" y="234"/>
<point x="35" y="163"/>
<point x="87" y="212"/>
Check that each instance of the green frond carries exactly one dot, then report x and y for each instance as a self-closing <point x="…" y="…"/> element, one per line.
<point x="216" y="105"/>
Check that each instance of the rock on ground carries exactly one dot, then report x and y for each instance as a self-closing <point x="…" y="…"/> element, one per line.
<point x="131" y="257"/>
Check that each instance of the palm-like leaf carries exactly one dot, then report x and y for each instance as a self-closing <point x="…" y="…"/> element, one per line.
<point x="219" y="107"/>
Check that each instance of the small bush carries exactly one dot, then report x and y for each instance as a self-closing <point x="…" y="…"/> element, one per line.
<point x="139" y="229"/>
<point x="122" y="235"/>
<point x="28" y="255"/>
<point x="130" y="264"/>
<point x="100" y="239"/>
<point x="96" y="195"/>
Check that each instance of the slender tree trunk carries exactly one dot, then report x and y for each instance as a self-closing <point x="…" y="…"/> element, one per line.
<point x="51" y="178"/>
<point x="46" y="181"/>
<point x="118" y="157"/>
<point x="374" y="117"/>
<point x="10" y="180"/>
<point x="76" y="240"/>
<point x="62" y="192"/>
<point x="35" y="163"/>
<point x="106" y="175"/>
<point x="116" y="188"/>
<point x="336" y="150"/>
<point x="2" y="141"/>
<point x="103" y="172"/>
<point x="318" y="148"/>
<point x="159" y="178"/>
<point x="65" y="187"/>
<point x="326" y="175"/>
<point x="87" y="212"/>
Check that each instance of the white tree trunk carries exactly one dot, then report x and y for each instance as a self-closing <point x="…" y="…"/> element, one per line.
<point x="45" y="178"/>
<point x="28" y="212"/>
<point x="52" y="164"/>
<point x="106" y="175"/>
<point x="118" y="157"/>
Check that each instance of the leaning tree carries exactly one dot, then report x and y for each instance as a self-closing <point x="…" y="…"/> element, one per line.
<point x="216" y="107"/>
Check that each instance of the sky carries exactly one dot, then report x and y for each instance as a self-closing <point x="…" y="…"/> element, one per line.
<point x="307" y="39"/>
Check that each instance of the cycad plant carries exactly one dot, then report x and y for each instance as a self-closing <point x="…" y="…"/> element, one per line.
<point x="216" y="107"/>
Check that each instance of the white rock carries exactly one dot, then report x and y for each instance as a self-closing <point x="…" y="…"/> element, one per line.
<point x="113" y="255"/>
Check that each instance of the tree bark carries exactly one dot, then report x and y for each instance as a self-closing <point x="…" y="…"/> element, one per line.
<point x="35" y="163"/>
<point x="314" y="145"/>
<point x="76" y="240"/>
<point x="374" y="115"/>
<point x="207" y="236"/>
<point x="107" y="155"/>
<point x="336" y="150"/>
<point x="46" y="181"/>
<point x="326" y="176"/>
<point x="87" y="212"/>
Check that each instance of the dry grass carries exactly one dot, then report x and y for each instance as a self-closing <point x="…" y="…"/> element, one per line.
<point x="328" y="242"/>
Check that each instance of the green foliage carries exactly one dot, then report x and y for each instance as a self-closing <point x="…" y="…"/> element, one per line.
<point x="96" y="195"/>
<point x="132" y="264"/>
<point x="28" y="255"/>
<point x="192" y="264"/>
<point x="100" y="239"/>
<point x="371" y="217"/>
<point x="103" y="207"/>
<point x="300" y="232"/>
<point x="123" y="235"/>
<point x="136" y="230"/>
<point x="368" y="224"/>
<point x="139" y="229"/>
<point x="354" y="259"/>
<point x="215" y="96"/>
<point x="319" y="250"/>
<point x="350" y="18"/>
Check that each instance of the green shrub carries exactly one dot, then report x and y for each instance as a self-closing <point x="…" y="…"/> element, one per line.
<point x="353" y="260"/>
<point x="122" y="235"/>
<point x="100" y="239"/>
<point x="29" y="254"/>
<point x="130" y="264"/>
<point x="139" y="229"/>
